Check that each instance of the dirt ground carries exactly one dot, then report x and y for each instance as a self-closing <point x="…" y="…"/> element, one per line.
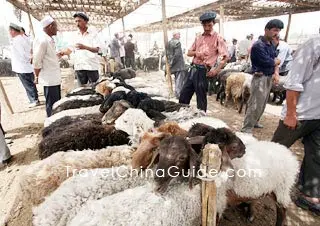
<point x="23" y="128"/>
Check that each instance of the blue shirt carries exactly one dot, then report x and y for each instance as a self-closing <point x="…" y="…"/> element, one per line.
<point x="262" y="57"/>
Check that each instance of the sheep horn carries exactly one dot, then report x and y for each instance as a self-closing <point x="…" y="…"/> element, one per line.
<point x="154" y="156"/>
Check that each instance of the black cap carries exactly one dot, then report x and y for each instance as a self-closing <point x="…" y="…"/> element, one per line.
<point x="208" y="16"/>
<point x="81" y="15"/>
<point x="15" y="27"/>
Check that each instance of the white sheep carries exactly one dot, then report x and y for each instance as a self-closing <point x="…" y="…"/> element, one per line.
<point x="210" y="121"/>
<point x="120" y="88"/>
<point x="141" y="206"/>
<point x="152" y="91"/>
<point x="43" y="177"/>
<point x="184" y="114"/>
<point x="71" y="112"/>
<point x="134" y="122"/>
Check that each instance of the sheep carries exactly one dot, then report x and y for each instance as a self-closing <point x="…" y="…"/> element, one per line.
<point x="184" y="114"/>
<point x="127" y="73"/>
<point x="81" y="91"/>
<point x="213" y="122"/>
<point x="104" y="87"/>
<point x="121" y="88"/>
<point x="172" y="128"/>
<point x="42" y="177"/>
<point x="59" y="125"/>
<point x="278" y="91"/>
<point x="80" y="136"/>
<point x="134" y="122"/>
<point x="65" y="202"/>
<point x="141" y="205"/>
<point x="238" y="88"/>
<point x="78" y="103"/>
<point x="170" y="106"/>
<point x="71" y="112"/>
<point x="71" y="98"/>
<point x="110" y="99"/>
<point x="117" y="109"/>
<point x="153" y="108"/>
<point x="135" y="97"/>
<point x="277" y="168"/>
<point x="220" y="85"/>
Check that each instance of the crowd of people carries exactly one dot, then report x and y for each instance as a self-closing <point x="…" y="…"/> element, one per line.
<point x="270" y="57"/>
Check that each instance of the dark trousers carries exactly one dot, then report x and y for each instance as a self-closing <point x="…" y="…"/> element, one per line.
<point x="130" y="62"/>
<point x="52" y="95"/>
<point x="27" y="80"/>
<point x="123" y="61"/>
<point x="309" y="178"/>
<point x="84" y="76"/>
<point x="196" y="82"/>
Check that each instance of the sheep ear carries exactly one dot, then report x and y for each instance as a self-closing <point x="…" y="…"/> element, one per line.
<point x="193" y="164"/>
<point x="196" y="140"/>
<point x="155" y="159"/>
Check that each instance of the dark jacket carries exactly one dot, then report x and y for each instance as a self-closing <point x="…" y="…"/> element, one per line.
<point x="175" y="56"/>
<point x="129" y="49"/>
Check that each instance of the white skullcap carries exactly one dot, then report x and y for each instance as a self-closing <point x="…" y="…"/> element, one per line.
<point x="175" y="33"/>
<point x="46" y="21"/>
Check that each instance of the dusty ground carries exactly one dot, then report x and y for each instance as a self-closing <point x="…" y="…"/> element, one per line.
<point x="23" y="128"/>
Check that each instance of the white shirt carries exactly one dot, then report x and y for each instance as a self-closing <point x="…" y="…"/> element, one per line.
<point x="304" y="77"/>
<point x="21" y="55"/>
<point x="244" y="46"/>
<point x="285" y="55"/>
<point x="84" y="59"/>
<point x="45" y="58"/>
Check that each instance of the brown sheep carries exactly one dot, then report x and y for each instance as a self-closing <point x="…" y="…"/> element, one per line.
<point x="172" y="128"/>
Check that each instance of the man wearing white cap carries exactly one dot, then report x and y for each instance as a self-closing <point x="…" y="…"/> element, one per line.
<point x="86" y="46"/>
<point x="21" y="63"/>
<point x="46" y="63"/>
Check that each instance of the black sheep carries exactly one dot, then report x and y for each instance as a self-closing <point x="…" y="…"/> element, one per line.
<point x="110" y="99"/>
<point x="135" y="97"/>
<point x="59" y="125"/>
<point x="153" y="108"/>
<point x="127" y="73"/>
<point x="125" y="85"/>
<point x="74" y="104"/>
<point x="221" y="83"/>
<point x="171" y="106"/>
<point x="82" y="92"/>
<point x="80" y="136"/>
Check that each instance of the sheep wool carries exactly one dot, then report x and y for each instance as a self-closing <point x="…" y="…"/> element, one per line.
<point x="71" y="112"/>
<point x="141" y="205"/>
<point x="121" y="88"/>
<point x="246" y="138"/>
<point x="64" y="203"/>
<point x="71" y="98"/>
<point x="184" y="114"/>
<point x="134" y="122"/>
<point x="43" y="177"/>
<point x="213" y="122"/>
<point x="151" y="91"/>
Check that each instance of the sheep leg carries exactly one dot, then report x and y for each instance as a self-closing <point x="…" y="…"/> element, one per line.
<point x="248" y="210"/>
<point x="274" y="97"/>
<point x="281" y="212"/>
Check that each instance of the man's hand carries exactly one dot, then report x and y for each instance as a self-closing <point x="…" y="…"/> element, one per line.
<point x="81" y="46"/>
<point x="277" y="61"/>
<point x="290" y="121"/>
<point x="212" y="73"/>
<point x="200" y="55"/>
<point x="60" y="54"/>
<point x="275" y="78"/>
<point x="36" y="80"/>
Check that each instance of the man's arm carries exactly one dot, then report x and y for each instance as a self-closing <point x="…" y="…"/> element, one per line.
<point x="291" y="118"/>
<point x="39" y="52"/>
<point x="192" y="50"/>
<point x="223" y="52"/>
<point x="260" y="56"/>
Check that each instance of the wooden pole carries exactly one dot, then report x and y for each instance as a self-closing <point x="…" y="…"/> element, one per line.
<point x="165" y="37"/>
<point x="7" y="104"/>
<point x="123" y="27"/>
<point x="221" y="28"/>
<point x="30" y="20"/>
<point x="211" y="160"/>
<point x="288" y="28"/>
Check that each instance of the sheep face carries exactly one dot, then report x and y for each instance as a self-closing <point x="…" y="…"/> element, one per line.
<point x="173" y="128"/>
<point x="115" y="111"/>
<point x="175" y="156"/>
<point x="103" y="88"/>
<point x="142" y="157"/>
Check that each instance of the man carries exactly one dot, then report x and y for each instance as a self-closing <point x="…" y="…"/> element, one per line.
<point x="232" y="50"/>
<point x="284" y="54"/>
<point x="46" y="63"/>
<point x="21" y="63"/>
<point x="265" y="68"/>
<point x="129" y="48"/>
<point x="115" y="48"/>
<point x="86" y="49"/>
<point x="300" y="118"/>
<point x="122" y="50"/>
<point x="176" y="62"/>
<point x="205" y="52"/>
<point x="5" y="155"/>
<point x="244" y="46"/>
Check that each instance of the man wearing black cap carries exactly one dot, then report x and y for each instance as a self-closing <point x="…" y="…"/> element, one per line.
<point x="21" y="63"/>
<point x="205" y="51"/>
<point x="265" y="68"/>
<point x="86" y="48"/>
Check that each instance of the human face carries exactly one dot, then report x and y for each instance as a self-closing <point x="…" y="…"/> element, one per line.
<point x="54" y="28"/>
<point x="177" y="36"/>
<point x="272" y="33"/>
<point x="208" y="27"/>
<point x="13" y="33"/>
<point x="81" y="23"/>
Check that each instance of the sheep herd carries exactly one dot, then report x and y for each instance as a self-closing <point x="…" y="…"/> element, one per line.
<point x="100" y="142"/>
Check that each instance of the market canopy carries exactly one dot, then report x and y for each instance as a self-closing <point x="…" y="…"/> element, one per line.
<point x="235" y="10"/>
<point x="100" y="12"/>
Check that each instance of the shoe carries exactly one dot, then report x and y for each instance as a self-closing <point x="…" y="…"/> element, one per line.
<point x="258" y="126"/>
<point x="249" y="131"/>
<point x="7" y="161"/>
<point x="34" y="104"/>
<point x="307" y="205"/>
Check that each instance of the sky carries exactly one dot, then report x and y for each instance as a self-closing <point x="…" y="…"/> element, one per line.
<point x="302" y="24"/>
